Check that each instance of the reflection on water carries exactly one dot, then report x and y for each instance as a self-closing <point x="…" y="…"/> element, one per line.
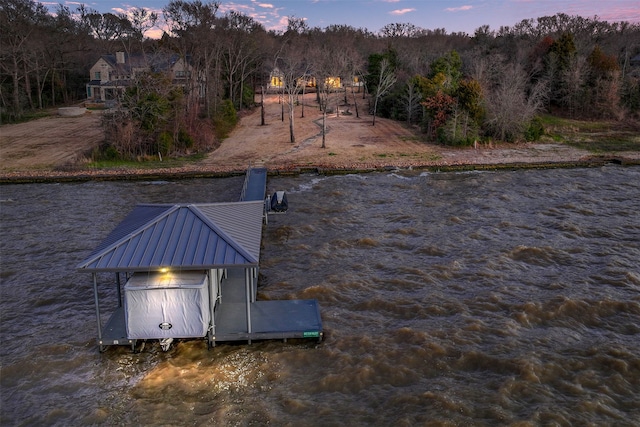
<point x="447" y="299"/>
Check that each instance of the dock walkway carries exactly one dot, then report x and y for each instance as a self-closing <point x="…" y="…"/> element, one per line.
<point x="255" y="185"/>
<point x="238" y="320"/>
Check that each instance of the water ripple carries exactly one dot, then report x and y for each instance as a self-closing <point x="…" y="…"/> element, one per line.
<point x="494" y="298"/>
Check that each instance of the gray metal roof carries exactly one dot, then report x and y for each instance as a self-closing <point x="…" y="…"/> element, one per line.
<point x="188" y="237"/>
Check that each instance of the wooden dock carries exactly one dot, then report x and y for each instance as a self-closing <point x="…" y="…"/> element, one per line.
<point x="255" y="185"/>
<point x="220" y="241"/>
<point x="240" y="317"/>
<point x="274" y="319"/>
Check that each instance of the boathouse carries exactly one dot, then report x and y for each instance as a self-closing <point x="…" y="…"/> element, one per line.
<point x="190" y="271"/>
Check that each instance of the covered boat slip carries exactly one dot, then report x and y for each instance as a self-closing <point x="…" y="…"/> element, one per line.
<point x="190" y="271"/>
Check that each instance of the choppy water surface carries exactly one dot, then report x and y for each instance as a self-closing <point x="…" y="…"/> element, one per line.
<point x="447" y="299"/>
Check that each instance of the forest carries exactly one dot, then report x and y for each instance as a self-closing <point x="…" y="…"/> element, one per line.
<point x="456" y="88"/>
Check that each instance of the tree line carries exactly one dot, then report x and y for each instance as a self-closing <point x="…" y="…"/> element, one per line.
<point x="457" y="88"/>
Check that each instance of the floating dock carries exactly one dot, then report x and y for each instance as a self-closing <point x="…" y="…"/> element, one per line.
<point x="275" y="319"/>
<point x="190" y="271"/>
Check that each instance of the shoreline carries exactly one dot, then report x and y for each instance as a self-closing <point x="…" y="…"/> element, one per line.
<point x="141" y="174"/>
<point x="53" y="149"/>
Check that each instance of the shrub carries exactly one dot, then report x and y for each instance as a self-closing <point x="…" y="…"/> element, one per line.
<point x="248" y="97"/>
<point x="534" y="130"/>
<point x="108" y="152"/>
<point x="225" y="119"/>
<point x="185" y="140"/>
<point x="165" y="143"/>
<point x="458" y="130"/>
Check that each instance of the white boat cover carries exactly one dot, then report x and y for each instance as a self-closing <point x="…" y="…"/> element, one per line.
<point x="167" y="305"/>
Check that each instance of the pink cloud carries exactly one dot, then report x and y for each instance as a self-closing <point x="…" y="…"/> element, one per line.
<point x="458" y="9"/>
<point x="401" y="11"/>
<point x="615" y="14"/>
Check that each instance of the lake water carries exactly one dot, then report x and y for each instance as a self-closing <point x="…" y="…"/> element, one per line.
<point x="483" y="299"/>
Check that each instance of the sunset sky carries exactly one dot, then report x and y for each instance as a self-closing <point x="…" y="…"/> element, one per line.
<point x="452" y="15"/>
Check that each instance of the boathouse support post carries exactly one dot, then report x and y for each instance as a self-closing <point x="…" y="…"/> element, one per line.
<point x="254" y="289"/>
<point x="119" y="289"/>
<point x="247" y="279"/>
<point x="211" y="333"/>
<point x="213" y="277"/>
<point x="220" y="276"/>
<point x="97" y="300"/>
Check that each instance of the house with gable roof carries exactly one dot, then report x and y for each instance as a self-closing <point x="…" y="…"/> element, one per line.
<point x="111" y="75"/>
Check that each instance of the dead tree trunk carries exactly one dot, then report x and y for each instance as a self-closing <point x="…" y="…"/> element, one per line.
<point x="324" y="127"/>
<point x="262" y="105"/>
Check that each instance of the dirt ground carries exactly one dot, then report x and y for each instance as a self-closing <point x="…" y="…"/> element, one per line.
<point x="355" y="143"/>
<point x="48" y="143"/>
<point x="57" y="146"/>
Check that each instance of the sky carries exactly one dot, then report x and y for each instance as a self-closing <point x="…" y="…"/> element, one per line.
<point x="452" y="15"/>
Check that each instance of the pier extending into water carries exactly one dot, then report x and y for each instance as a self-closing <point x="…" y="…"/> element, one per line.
<point x="190" y="271"/>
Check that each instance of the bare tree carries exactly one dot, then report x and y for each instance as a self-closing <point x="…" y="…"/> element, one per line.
<point x="293" y="64"/>
<point x="194" y="25"/>
<point x="22" y="23"/>
<point x="108" y="29"/>
<point x="352" y="69"/>
<point x="512" y="105"/>
<point x="327" y="66"/>
<point x="241" y="49"/>
<point x="142" y="20"/>
<point x="386" y="79"/>
<point x="294" y="69"/>
<point x="569" y="91"/>
<point x="411" y="98"/>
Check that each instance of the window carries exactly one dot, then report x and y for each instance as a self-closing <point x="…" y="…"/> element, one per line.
<point x="96" y="75"/>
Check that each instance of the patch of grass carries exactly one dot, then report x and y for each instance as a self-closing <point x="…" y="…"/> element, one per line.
<point x="26" y="117"/>
<point x="429" y="157"/>
<point x="331" y="153"/>
<point x="193" y="157"/>
<point x="549" y="120"/>
<point x="131" y="164"/>
<point x="608" y="145"/>
<point x="433" y="157"/>
<point x="415" y="138"/>
<point x="147" y="163"/>
<point x="114" y="164"/>
<point x="597" y="136"/>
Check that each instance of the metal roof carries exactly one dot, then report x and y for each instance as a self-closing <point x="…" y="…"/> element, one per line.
<point x="189" y="237"/>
